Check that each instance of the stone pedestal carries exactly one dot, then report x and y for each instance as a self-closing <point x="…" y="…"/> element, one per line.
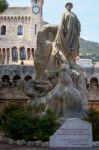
<point x="74" y="133"/>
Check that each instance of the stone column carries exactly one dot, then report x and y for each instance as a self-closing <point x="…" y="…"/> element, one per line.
<point x="88" y="83"/>
<point x="0" y="56"/>
<point x="5" y="61"/>
<point x="31" y="57"/>
<point x="18" y="54"/>
<point x="10" y="56"/>
<point x="3" y="55"/>
<point x="26" y="53"/>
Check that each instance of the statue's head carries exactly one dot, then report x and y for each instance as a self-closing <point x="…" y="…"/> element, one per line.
<point x="69" y="6"/>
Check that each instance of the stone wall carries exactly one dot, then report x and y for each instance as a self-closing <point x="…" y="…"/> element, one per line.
<point x="16" y="70"/>
<point x="10" y="73"/>
<point x="92" y="83"/>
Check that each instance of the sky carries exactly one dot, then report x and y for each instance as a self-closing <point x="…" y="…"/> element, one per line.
<point x="86" y="10"/>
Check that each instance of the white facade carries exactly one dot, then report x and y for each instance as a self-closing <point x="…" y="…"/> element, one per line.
<point x="18" y="32"/>
<point x="84" y="62"/>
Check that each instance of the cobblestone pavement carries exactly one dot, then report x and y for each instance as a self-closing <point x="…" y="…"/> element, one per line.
<point x="15" y="147"/>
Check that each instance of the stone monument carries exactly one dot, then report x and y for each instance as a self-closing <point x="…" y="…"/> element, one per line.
<point x="60" y="83"/>
<point x="74" y="133"/>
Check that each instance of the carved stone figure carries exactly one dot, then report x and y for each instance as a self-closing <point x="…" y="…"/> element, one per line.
<point x="57" y="44"/>
<point x="47" y="56"/>
<point x="67" y="38"/>
<point x="34" y="88"/>
<point x="60" y="83"/>
<point x="65" y="99"/>
<point x="43" y="51"/>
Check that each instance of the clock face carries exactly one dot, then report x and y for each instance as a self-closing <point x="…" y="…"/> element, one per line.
<point x="36" y="9"/>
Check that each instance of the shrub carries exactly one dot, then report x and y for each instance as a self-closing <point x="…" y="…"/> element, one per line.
<point x="93" y="118"/>
<point x="48" y="125"/>
<point x="17" y="123"/>
<point x="14" y="121"/>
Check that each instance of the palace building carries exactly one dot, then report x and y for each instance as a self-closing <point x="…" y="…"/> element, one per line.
<point x="18" y="31"/>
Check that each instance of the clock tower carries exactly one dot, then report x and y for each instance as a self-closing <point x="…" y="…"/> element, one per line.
<point x="36" y="19"/>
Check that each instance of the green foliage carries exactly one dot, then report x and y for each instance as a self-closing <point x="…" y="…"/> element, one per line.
<point x="3" y="5"/>
<point x="93" y="118"/>
<point x="48" y="125"/>
<point x="88" y="47"/>
<point x="89" y="50"/>
<point x="17" y="123"/>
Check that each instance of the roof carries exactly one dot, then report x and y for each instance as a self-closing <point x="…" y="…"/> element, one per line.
<point x="17" y="11"/>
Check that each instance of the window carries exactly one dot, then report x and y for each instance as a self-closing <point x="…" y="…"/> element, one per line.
<point x="14" y="54"/>
<point x="3" y="30"/>
<point x="22" y="53"/>
<point x="20" y="30"/>
<point x="8" y="54"/>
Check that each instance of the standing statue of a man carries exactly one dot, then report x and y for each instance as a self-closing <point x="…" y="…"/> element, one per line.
<point x="67" y="38"/>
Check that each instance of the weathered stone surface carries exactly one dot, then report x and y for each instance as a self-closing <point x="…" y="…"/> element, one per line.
<point x="57" y="46"/>
<point x="67" y="99"/>
<point x="13" y="70"/>
<point x="73" y="133"/>
<point x="43" y="51"/>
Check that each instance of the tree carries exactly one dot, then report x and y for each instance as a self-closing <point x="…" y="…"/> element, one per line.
<point x="3" y="5"/>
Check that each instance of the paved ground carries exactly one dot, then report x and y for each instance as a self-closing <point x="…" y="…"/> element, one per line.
<point x="15" y="147"/>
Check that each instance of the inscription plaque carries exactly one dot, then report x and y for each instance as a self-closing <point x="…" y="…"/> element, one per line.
<point x="73" y="133"/>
